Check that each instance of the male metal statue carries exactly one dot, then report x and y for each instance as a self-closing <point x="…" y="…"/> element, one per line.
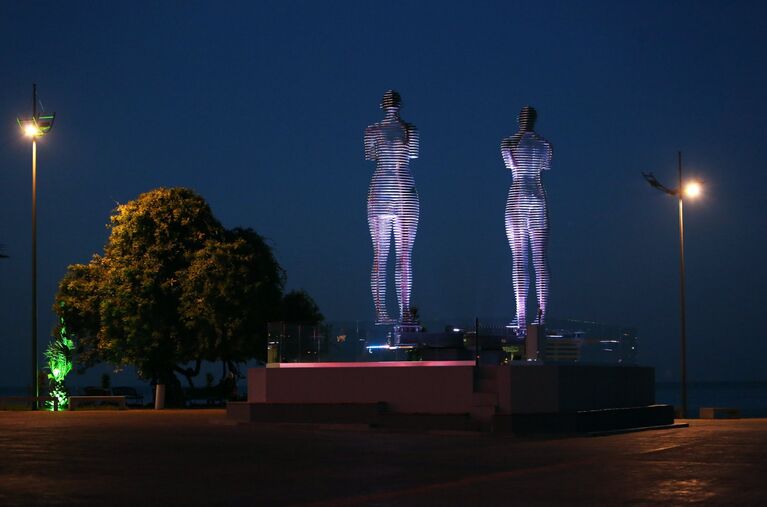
<point x="527" y="154"/>
<point x="392" y="204"/>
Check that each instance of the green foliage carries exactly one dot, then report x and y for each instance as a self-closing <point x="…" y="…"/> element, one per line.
<point x="78" y="303"/>
<point x="152" y="242"/>
<point x="173" y="287"/>
<point x="298" y="306"/>
<point x="59" y="356"/>
<point x="232" y="288"/>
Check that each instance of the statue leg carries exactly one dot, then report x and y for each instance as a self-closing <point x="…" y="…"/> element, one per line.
<point x="539" y="242"/>
<point x="380" y="232"/>
<point x="405" y="228"/>
<point x="516" y="232"/>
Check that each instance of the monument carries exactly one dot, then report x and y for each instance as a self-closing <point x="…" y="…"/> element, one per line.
<point x="393" y="206"/>
<point x="526" y="154"/>
<point x="435" y="388"/>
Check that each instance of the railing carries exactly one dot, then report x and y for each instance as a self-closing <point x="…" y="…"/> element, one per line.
<point x="360" y="341"/>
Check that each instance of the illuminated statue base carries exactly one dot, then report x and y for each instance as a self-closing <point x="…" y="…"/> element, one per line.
<point x="394" y="339"/>
<point x="520" y="397"/>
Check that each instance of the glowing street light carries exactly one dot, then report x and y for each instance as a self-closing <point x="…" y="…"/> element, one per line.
<point x="36" y="126"/>
<point x="691" y="190"/>
<point x="39" y="124"/>
<point x="30" y="130"/>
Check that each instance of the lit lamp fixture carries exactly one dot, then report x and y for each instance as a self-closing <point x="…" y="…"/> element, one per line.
<point x="689" y="190"/>
<point x="36" y="126"/>
<point x="693" y="189"/>
<point x="28" y="126"/>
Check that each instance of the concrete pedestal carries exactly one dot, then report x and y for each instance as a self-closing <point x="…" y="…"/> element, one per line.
<point x="516" y="397"/>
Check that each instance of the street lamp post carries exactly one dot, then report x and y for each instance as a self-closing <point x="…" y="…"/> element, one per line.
<point x="35" y="378"/>
<point x="36" y="126"/>
<point x="691" y="190"/>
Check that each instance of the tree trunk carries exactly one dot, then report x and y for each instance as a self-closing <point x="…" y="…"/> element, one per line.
<point x="174" y="395"/>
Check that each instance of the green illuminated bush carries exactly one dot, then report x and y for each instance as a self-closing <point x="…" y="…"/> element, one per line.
<point x="59" y="356"/>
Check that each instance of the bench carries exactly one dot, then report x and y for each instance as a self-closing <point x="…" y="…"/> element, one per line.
<point x="75" y="401"/>
<point x="130" y="393"/>
<point x="207" y="396"/>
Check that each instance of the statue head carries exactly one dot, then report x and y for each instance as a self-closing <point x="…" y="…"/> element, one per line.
<point x="527" y="117"/>
<point x="391" y="100"/>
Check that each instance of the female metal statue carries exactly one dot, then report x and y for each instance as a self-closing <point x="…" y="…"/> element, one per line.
<point x="393" y="205"/>
<point x="527" y="154"/>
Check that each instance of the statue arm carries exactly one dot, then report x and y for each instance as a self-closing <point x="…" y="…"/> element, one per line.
<point x="413" y="141"/>
<point x="506" y="153"/>
<point x="370" y="144"/>
<point x="549" y="154"/>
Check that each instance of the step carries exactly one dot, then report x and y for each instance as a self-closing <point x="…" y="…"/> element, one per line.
<point x="587" y="421"/>
<point x="425" y="422"/>
<point x="485" y="426"/>
<point x="362" y="413"/>
<point x="482" y="413"/>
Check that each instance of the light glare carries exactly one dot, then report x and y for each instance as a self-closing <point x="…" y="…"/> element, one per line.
<point x="693" y="189"/>
<point x="30" y="130"/>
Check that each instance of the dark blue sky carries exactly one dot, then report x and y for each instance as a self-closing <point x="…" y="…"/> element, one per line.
<point x="261" y="107"/>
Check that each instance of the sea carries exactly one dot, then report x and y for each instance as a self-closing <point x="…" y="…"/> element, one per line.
<point x="748" y="397"/>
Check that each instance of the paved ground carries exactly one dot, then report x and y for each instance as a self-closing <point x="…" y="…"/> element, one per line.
<point x="192" y="457"/>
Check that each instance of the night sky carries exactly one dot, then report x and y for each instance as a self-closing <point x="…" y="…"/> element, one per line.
<point x="261" y="108"/>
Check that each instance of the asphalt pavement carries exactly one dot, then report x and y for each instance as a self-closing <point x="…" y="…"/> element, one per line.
<point x="196" y="457"/>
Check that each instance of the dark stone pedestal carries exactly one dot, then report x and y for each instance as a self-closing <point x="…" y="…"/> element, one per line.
<point x="523" y="397"/>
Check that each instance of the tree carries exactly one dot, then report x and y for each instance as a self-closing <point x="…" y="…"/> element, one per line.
<point x="299" y="307"/>
<point x="152" y="242"/>
<point x="175" y="288"/>
<point x="78" y="303"/>
<point x="232" y="289"/>
<point x="136" y="286"/>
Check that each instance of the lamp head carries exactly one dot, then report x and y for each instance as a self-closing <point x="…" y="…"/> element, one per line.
<point x="28" y="127"/>
<point x="30" y="130"/>
<point x="692" y="189"/>
<point x="37" y="126"/>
